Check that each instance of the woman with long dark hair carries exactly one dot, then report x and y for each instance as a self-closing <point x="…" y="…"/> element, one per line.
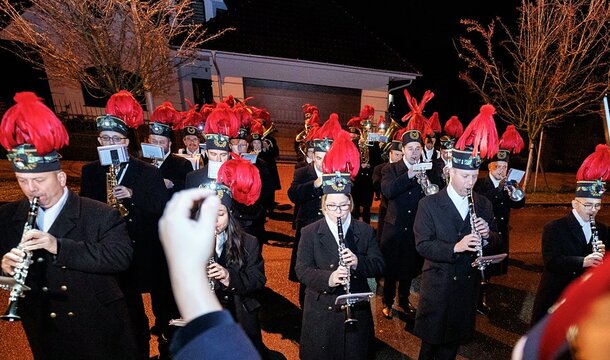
<point x="236" y="270"/>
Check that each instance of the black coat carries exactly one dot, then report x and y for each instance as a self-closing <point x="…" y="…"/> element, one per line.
<point x="501" y="204"/>
<point x="323" y="329"/>
<point x="145" y="208"/>
<point x="563" y="250"/>
<point x="397" y="241"/>
<point x="308" y="199"/>
<point x="240" y="297"/>
<point x="75" y="309"/>
<point x="436" y="173"/>
<point x="175" y="168"/>
<point x="383" y="203"/>
<point x="197" y="177"/>
<point x="448" y="296"/>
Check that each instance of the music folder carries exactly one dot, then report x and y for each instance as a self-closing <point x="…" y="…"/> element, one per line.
<point x="351" y="299"/>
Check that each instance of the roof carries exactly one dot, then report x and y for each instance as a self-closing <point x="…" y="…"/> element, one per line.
<point x="313" y="30"/>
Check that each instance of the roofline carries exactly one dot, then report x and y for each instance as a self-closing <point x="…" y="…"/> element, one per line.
<point x="392" y="75"/>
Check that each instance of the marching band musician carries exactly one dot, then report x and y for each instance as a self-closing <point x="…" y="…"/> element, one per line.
<point x="439" y="174"/>
<point x="324" y="334"/>
<point x="394" y="155"/>
<point x="493" y="187"/>
<point x="305" y="191"/>
<point x="192" y="125"/>
<point x="75" y="308"/>
<point x="173" y="167"/>
<point x="400" y="186"/>
<point x="445" y="238"/>
<point x="429" y="152"/>
<point x="575" y="242"/>
<point x="142" y="191"/>
<point x="238" y="269"/>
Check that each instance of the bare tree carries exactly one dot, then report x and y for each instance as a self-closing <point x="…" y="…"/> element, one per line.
<point x="107" y="45"/>
<point x="553" y="65"/>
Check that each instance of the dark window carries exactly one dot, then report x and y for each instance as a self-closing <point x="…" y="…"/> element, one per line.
<point x="202" y="91"/>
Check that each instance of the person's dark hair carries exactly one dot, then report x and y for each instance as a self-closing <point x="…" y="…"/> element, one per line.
<point x="235" y="248"/>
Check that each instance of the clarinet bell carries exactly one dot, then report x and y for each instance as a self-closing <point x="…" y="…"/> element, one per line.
<point x="11" y="312"/>
<point x="349" y="320"/>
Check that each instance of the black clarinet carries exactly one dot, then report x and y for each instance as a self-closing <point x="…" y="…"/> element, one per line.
<point x="594" y="234"/>
<point x="473" y="215"/>
<point x="22" y="272"/>
<point x="346" y="284"/>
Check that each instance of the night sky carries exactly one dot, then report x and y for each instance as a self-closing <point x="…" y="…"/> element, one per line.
<point x="425" y="35"/>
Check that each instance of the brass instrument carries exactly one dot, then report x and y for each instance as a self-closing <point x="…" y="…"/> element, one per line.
<point x="300" y="138"/>
<point x="514" y="192"/>
<point x="111" y="183"/>
<point x="428" y="187"/>
<point x="271" y="129"/>
<point x="389" y="134"/>
<point x="594" y="234"/>
<point x="363" y="145"/>
<point x="346" y="285"/>
<point x="22" y="272"/>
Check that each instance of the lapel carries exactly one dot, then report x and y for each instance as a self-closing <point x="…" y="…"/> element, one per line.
<point x="327" y="240"/>
<point x="399" y="167"/>
<point x="20" y="215"/>
<point x="445" y="203"/>
<point x="67" y="218"/>
<point x="133" y="171"/>
<point x="576" y="229"/>
<point x="355" y="232"/>
<point x="311" y="172"/>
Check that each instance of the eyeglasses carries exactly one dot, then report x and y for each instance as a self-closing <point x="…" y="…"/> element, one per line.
<point x="114" y="139"/>
<point x="334" y="207"/>
<point x="589" y="206"/>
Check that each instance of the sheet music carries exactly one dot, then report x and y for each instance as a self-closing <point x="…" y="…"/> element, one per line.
<point x="515" y="174"/>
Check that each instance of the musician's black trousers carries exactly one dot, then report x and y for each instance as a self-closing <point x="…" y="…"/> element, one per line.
<point x="447" y="351"/>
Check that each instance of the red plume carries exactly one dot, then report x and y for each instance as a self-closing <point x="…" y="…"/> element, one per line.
<point x="222" y="120"/>
<point x="256" y="128"/>
<point x="244" y="113"/>
<point x="453" y="127"/>
<point x="343" y="156"/>
<point x="230" y="101"/>
<point x="124" y="106"/>
<point x="30" y="121"/>
<point x="435" y="123"/>
<point x="243" y="178"/>
<point x="381" y="120"/>
<point x="330" y="128"/>
<point x="166" y="114"/>
<point x="398" y="135"/>
<point x="206" y="110"/>
<point x="481" y="134"/>
<point x="354" y="122"/>
<point x="263" y="116"/>
<point x="596" y="166"/>
<point x="192" y="117"/>
<point x="367" y="112"/>
<point x="511" y="140"/>
<point x="417" y="110"/>
<point x="313" y="131"/>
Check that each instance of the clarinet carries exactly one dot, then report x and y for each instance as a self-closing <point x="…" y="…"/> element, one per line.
<point x="346" y="284"/>
<point x="473" y="215"/>
<point x="211" y="281"/>
<point x="594" y="234"/>
<point x="22" y="272"/>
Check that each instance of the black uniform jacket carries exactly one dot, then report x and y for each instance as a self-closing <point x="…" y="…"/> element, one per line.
<point x="563" y="250"/>
<point x="397" y="240"/>
<point x="447" y="303"/>
<point x="175" y="168"/>
<point x="75" y="309"/>
<point x="323" y="330"/>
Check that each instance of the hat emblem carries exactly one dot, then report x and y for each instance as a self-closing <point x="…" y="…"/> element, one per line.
<point x="191" y="130"/>
<point x="501" y="155"/>
<point x="156" y="129"/>
<point x="414" y="135"/>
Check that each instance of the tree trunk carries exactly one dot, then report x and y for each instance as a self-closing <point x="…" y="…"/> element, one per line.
<point x="528" y="167"/>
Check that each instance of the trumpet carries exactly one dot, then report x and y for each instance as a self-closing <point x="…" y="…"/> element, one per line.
<point x="428" y="187"/>
<point x="515" y="193"/>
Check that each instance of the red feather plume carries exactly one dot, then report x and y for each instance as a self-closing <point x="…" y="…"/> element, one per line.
<point x="256" y="128"/>
<point x="343" y="156"/>
<point x="481" y="134"/>
<point x="191" y="117"/>
<point x="243" y="178"/>
<point x="367" y="112"/>
<point x="312" y="133"/>
<point x="596" y="166"/>
<point x="244" y="113"/>
<point x="417" y="109"/>
<point x="381" y="121"/>
<point x="511" y="140"/>
<point x="222" y="120"/>
<point x="330" y="129"/>
<point x="124" y="106"/>
<point x="354" y="122"/>
<point x="206" y="110"/>
<point x="435" y="123"/>
<point x="167" y="114"/>
<point x="263" y="116"/>
<point x="30" y="121"/>
<point x="454" y="127"/>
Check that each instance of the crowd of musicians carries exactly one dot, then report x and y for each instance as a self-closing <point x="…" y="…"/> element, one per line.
<point x="89" y="257"/>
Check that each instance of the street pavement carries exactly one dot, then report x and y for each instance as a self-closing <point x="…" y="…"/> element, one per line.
<point x="510" y="296"/>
